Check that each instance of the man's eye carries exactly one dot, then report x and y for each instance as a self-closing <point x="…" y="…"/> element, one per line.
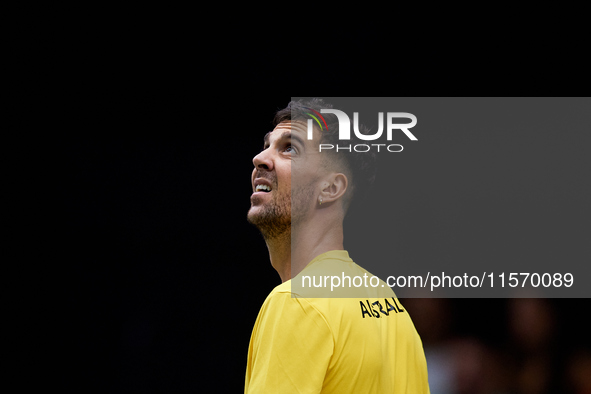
<point x="290" y="149"/>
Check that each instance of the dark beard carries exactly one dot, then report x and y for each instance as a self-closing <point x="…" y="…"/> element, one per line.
<point x="274" y="220"/>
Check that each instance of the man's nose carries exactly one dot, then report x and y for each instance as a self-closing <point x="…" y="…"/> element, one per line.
<point x="263" y="161"/>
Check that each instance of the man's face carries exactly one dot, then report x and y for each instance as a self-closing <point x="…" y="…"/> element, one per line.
<point x="287" y="156"/>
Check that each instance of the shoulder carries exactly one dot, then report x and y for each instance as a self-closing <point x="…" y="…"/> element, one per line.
<point x="335" y="275"/>
<point x="282" y="301"/>
<point x="286" y="313"/>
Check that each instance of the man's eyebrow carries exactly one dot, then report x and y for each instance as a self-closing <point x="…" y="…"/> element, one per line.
<point x="293" y="136"/>
<point x="266" y="138"/>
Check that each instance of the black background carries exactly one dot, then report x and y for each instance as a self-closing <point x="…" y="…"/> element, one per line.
<point x="141" y="270"/>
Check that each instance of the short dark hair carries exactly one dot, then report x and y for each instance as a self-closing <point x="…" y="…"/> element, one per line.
<point x="360" y="167"/>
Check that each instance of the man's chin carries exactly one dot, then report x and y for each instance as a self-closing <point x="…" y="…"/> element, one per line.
<point x="250" y="216"/>
<point x="268" y="224"/>
<point x="255" y="209"/>
<point x="256" y="215"/>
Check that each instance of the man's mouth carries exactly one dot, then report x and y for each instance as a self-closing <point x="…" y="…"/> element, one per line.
<point x="263" y="188"/>
<point x="262" y="185"/>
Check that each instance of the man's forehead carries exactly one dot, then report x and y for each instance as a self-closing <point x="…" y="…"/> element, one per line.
<point x="296" y="127"/>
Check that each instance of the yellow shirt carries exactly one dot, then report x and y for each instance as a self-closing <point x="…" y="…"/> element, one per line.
<point x="334" y="345"/>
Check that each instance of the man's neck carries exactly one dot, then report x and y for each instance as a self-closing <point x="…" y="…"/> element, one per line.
<point x="292" y="251"/>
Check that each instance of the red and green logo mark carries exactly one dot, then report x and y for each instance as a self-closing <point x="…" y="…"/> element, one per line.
<point x="316" y="119"/>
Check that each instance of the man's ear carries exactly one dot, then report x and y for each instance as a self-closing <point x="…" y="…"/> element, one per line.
<point x="333" y="188"/>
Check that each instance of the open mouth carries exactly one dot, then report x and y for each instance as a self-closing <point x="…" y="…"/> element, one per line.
<point x="263" y="188"/>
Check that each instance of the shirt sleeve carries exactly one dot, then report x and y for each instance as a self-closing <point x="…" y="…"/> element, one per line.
<point x="290" y="347"/>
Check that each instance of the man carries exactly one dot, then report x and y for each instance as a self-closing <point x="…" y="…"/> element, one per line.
<point x="310" y="342"/>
